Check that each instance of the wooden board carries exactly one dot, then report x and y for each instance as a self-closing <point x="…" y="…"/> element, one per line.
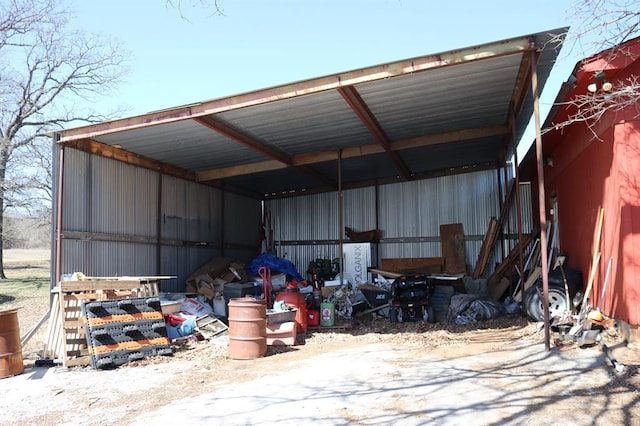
<point x="418" y="265"/>
<point x="452" y="242"/>
<point x="487" y="248"/>
<point x="496" y="287"/>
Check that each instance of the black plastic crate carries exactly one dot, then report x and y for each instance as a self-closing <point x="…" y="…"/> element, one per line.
<point x="123" y="330"/>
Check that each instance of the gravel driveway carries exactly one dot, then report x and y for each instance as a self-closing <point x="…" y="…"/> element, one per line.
<point x="377" y="374"/>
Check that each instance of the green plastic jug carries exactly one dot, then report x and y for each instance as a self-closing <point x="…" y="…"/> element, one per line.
<point x="327" y="314"/>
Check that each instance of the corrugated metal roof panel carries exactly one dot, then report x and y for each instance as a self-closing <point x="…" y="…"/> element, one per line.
<point x="419" y="109"/>
<point x="186" y="144"/>
<point x="301" y="125"/>
<point x="462" y="96"/>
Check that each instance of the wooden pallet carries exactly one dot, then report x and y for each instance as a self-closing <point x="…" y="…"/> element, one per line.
<point x="66" y="339"/>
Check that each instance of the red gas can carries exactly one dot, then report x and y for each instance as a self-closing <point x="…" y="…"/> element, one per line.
<point x="313" y="317"/>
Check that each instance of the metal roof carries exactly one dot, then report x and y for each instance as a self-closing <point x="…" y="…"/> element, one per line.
<point x="443" y="113"/>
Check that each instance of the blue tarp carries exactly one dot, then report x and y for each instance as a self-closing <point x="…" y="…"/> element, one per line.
<point x="277" y="265"/>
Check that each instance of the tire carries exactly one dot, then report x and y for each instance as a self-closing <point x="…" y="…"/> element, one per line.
<point x="429" y="314"/>
<point x="533" y="306"/>
<point x="393" y="314"/>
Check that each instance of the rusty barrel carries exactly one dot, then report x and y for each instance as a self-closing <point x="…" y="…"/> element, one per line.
<point x="247" y="328"/>
<point x="11" y="362"/>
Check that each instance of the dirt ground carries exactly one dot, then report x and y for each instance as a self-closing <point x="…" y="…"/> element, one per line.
<point x="368" y="372"/>
<point x="492" y="372"/>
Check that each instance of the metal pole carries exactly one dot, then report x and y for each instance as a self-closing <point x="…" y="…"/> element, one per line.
<point x="518" y="208"/>
<point x="541" y="201"/>
<point x="159" y="225"/>
<point x="340" y="218"/>
<point x="501" y="201"/>
<point x="59" y="213"/>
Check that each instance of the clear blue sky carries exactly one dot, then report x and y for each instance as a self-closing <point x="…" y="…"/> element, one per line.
<point x="264" y="43"/>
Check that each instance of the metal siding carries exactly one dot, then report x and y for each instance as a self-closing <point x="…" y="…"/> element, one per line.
<point x="359" y="206"/>
<point x="108" y="197"/>
<point x="242" y="220"/>
<point x="407" y="210"/>
<point x="75" y="194"/>
<point x="117" y="206"/>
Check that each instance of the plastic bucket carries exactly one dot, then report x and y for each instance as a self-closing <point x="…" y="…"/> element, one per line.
<point x="11" y="361"/>
<point x="327" y="314"/>
<point x="247" y="328"/>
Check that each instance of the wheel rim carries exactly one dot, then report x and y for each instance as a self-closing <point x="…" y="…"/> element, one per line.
<point x="557" y="304"/>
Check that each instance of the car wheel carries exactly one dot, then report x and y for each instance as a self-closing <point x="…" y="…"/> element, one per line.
<point x="534" y="307"/>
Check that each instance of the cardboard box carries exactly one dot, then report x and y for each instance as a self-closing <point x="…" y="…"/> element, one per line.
<point x="328" y="291"/>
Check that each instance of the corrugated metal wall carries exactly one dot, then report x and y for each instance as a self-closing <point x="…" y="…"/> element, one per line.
<point x="117" y="222"/>
<point x="409" y="215"/>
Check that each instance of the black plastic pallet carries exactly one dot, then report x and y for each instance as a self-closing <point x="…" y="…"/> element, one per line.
<point x="123" y="330"/>
<point x="119" y="357"/>
<point x="104" y="308"/>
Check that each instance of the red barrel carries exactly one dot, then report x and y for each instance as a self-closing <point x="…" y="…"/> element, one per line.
<point x="11" y="362"/>
<point x="293" y="298"/>
<point x="247" y="328"/>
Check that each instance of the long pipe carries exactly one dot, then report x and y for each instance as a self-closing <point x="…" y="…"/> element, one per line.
<point x="159" y="225"/>
<point x="518" y="208"/>
<point x="340" y="218"/>
<point x="59" y="212"/>
<point x="541" y="202"/>
<point x="501" y="201"/>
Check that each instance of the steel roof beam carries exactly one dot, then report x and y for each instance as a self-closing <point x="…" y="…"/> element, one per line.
<point x="352" y="152"/>
<point x="359" y="106"/>
<point x="279" y="156"/>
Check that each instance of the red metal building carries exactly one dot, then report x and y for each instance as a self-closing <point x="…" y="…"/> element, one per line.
<point x="592" y="164"/>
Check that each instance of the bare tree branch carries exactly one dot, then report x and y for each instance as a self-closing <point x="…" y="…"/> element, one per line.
<point x="604" y="27"/>
<point x="44" y="70"/>
<point x="209" y="5"/>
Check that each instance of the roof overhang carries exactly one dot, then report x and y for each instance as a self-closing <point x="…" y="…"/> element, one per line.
<point x="451" y="112"/>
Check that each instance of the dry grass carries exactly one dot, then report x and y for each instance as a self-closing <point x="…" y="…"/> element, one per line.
<point x="27" y="288"/>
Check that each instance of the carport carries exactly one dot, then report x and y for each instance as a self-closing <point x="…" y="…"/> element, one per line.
<point x="165" y="191"/>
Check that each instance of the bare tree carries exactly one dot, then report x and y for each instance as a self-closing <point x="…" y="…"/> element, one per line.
<point x="47" y="73"/>
<point x="603" y="26"/>
<point x="209" y="5"/>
